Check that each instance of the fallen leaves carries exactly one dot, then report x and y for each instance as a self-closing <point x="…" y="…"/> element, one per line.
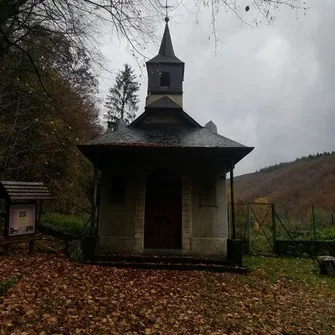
<point x="56" y="296"/>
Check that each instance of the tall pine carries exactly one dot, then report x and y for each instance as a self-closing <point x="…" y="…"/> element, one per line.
<point x="122" y="100"/>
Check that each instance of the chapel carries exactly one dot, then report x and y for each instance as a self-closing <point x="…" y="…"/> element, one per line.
<point x="162" y="178"/>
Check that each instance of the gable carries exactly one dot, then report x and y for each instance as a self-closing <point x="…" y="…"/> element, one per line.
<point x="163" y="112"/>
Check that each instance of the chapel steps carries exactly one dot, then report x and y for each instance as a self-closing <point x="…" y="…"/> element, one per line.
<point x="167" y="263"/>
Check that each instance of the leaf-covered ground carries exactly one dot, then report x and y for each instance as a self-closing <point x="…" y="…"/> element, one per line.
<point x="47" y="294"/>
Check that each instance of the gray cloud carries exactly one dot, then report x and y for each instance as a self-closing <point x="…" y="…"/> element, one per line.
<point x="271" y="87"/>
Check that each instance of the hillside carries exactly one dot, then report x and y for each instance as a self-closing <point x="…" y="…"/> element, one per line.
<point x="294" y="186"/>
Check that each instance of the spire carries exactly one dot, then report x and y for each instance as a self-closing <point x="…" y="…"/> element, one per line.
<point x="166" y="52"/>
<point x="166" y="48"/>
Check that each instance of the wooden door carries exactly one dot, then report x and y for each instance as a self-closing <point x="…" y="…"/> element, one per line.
<point x="163" y="220"/>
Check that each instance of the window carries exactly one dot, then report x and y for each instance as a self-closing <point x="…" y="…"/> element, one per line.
<point x="165" y="78"/>
<point x="208" y="192"/>
<point x="117" y="194"/>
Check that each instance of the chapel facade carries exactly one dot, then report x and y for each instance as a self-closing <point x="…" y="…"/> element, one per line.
<point x="163" y="177"/>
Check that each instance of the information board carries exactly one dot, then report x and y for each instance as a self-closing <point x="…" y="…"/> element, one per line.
<point x="22" y="219"/>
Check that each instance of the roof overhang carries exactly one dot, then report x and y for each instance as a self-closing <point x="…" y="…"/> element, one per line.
<point x="102" y="155"/>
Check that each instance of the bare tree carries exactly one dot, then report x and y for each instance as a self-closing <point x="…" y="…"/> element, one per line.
<point x="249" y="12"/>
<point x="133" y="20"/>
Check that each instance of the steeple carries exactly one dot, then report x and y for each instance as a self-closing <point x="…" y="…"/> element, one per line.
<point x="166" y="48"/>
<point x="165" y="72"/>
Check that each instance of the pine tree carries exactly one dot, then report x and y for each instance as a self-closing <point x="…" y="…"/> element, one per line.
<point x="122" y="101"/>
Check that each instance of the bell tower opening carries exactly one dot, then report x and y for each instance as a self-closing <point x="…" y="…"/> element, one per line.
<point x="165" y="79"/>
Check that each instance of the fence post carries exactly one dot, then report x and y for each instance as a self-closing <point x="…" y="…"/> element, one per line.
<point x="274" y="232"/>
<point x="314" y="228"/>
<point x="248" y="223"/>
<point x="332" y="216"/>
<point x="232" y="200"/>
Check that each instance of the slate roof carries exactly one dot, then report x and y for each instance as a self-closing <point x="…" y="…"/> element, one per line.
<point x="20" y="190"/>
<point x="183" y="137"/>
<point x="166" y="52"/>
<point x="164" y="123"/>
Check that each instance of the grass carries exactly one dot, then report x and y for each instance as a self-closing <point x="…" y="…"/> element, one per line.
<point x="300" y="270"/>
<point x="259" y="243"/>
<point x="321" y="233"/>
<point x="7" y="284"/>
<point x="72" y="224"/>
<point x="326" y="233"/>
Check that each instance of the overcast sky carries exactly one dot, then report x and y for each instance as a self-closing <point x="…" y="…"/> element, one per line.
<point x="271" y="87"/>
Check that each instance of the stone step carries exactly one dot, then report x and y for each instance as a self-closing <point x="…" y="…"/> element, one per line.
<point x="172" y="266"/>
<point x="163" y="259"/>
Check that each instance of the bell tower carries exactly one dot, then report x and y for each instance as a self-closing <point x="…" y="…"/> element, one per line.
<point x="165" y="72"/>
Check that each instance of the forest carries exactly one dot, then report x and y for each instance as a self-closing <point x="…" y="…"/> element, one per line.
<point x="300" y="159"/>
<point x="293" y="186"/>
<point x="49" y="99"/>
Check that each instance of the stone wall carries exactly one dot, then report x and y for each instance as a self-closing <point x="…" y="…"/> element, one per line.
<point x="210" y="224"/>
<point x="304" y="248"/>
<point x="204" y="228"/>
<point x="117" y="221"/>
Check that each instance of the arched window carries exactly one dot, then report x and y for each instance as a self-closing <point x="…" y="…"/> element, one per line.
<point x="165" y="79"/>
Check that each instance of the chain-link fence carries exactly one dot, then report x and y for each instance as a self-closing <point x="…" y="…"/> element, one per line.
<point x="314" y="224"/>
<point x="260" y="225"/>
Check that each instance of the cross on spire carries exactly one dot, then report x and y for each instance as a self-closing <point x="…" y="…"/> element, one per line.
<point x="166" y="10"/>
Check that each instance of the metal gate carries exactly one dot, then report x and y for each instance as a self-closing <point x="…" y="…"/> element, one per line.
<point x="255" y="225"/>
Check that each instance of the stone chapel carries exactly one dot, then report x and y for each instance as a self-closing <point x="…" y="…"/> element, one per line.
<point x="163" y="177"/>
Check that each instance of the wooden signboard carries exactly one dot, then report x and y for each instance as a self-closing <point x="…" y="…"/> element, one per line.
<point x="22" y="219"/>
